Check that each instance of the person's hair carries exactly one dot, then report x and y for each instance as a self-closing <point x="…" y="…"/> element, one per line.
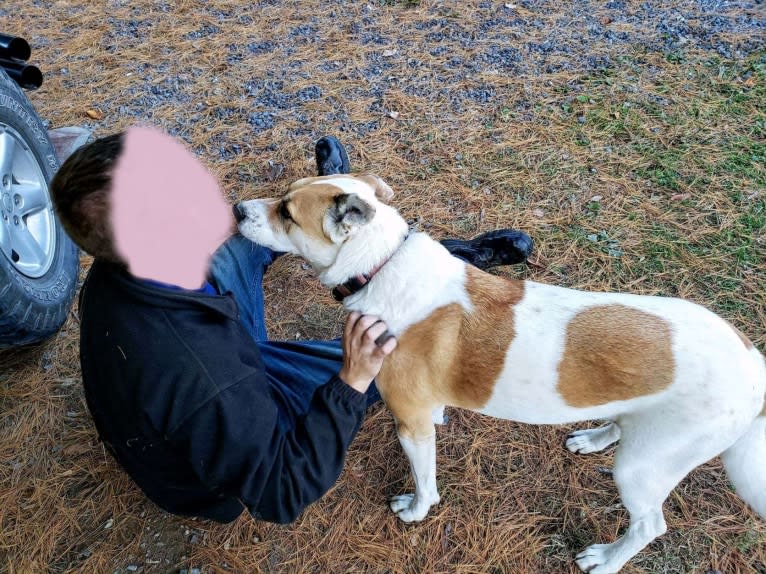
<point x="81" y="191"/>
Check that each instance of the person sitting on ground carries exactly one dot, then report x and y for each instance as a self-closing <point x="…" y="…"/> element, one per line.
<point x="204" y="412"/>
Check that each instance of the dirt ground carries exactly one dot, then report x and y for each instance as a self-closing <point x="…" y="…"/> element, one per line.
<point x="626" y="137"/>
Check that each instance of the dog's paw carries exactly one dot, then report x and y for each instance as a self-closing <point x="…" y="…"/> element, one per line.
<point x="595" y="559"/>
<point x="592" y="440"/>
<point x="581" y="444"/>
<point x="409" y="509"/>
<point x="401" y="501"/>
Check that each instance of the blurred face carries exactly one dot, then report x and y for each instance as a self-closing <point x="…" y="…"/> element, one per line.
<point x="168" y="215"/>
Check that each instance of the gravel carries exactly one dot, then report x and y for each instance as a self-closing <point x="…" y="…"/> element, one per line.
<point x="525" y="37"/>
<point x="257" y="48"/>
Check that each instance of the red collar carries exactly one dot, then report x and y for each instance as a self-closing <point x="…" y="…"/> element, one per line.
<point x="357" y="283"/>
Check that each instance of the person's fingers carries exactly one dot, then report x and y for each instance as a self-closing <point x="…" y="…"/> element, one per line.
<point x="388" y="345"/>
<point x="372" y="334"/>
<point x="364" y="323"/>
<point x="351" y="320"/>
<point x="379" y="341"/>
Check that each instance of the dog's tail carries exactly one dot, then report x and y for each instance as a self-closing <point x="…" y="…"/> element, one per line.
<point x="745" y="460"/>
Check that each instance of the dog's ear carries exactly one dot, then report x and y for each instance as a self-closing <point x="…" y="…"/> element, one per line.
<point x="382" y="190"/>
<point x="350" y="209"/>
<point x="348" y="213"/>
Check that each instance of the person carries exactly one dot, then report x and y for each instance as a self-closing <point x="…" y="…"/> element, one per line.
<point x="206" y="414"/>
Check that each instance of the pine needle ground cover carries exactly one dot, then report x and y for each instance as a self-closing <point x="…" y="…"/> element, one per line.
<point x="626" y="137"/>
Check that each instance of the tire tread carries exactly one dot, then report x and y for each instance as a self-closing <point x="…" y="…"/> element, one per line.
<point x="23" y="319"/>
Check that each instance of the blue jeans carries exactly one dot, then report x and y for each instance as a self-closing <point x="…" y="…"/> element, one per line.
<point x="294" y="369"/>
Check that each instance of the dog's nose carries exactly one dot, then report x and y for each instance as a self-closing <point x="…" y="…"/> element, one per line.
<point x="239" y="213"/>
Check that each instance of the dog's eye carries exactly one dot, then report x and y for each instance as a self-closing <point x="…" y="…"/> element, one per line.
<point x="284" y="213"/>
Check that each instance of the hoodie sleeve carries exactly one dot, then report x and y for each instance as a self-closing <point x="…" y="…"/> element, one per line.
<point x="236" y="446"/>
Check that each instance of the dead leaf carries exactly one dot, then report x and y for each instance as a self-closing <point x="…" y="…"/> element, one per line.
<point x="604" y="20"/>
<point x="393" y="115"/>
<point x="536" y="264"/>
<point x="389" y="53"/>
<point x="750" y="82"/>
<point x="274" y="171"/>
<point x="95" y="114"/>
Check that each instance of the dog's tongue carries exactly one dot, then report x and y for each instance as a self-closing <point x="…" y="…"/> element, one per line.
<point x="168" y="214"/>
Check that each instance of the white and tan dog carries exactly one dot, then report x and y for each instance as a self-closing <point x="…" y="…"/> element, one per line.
<point x="679" y="384"/>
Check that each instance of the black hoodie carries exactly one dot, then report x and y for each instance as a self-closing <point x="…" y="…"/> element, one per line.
<point x="177" y="389"/>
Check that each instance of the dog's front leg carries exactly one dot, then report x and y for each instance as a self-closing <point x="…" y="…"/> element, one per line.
<point x="418" y="440"/>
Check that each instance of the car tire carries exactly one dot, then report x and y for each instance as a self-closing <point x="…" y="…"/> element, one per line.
<point x="39" y="264"/>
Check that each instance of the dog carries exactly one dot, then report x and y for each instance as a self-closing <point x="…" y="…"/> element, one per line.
<point x="678" y="384"/>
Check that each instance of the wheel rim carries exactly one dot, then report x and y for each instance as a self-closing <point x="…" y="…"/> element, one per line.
<point x="27" y="225"/>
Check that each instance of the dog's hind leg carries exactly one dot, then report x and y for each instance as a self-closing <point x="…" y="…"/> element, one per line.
<point x="593" y="440"/>
<point x="655" y="453"/>
<point x="418" y="439"/>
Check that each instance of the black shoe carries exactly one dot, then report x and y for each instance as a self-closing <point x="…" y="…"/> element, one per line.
<point x="331" y="157"/>
<point x="499" y="247"/>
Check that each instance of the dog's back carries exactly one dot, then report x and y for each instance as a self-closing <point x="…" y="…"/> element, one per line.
<point x="680" y="383"/>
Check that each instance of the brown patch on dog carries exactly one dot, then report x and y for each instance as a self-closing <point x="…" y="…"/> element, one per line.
<point x="272" y="211"/>
<point x="382" y="190"/>
<point x="454" y="356"/>
<point x="416" y="374"/>
<point x="486" y="334"/>
<point x="306" y="204"/>
<point x="613" y="353"/>
<point x="742" y="337"/>
<point x="309" y="200"/>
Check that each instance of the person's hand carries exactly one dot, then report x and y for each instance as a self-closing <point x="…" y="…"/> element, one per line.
<point x="363" y="353"/>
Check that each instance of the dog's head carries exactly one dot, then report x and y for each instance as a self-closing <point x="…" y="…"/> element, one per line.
<point x="324" y="218"/>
